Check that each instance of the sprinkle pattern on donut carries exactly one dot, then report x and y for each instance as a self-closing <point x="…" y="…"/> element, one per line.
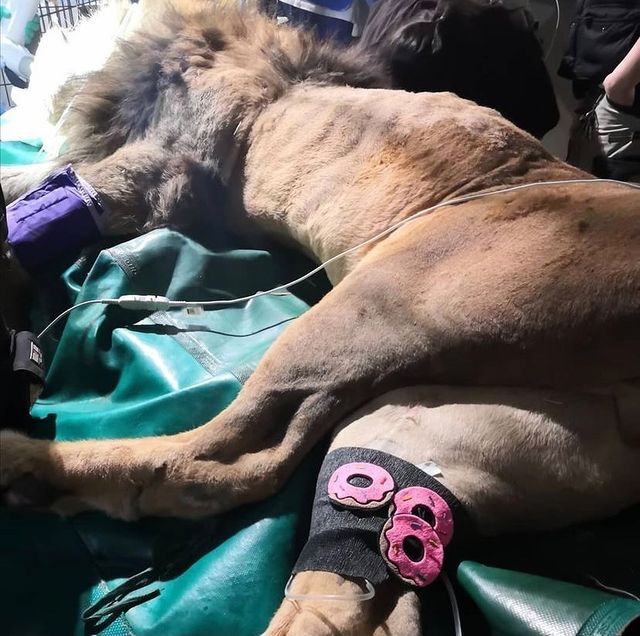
<point x="419" y="526"/>
<point x="410" y="500"/>
<point x="412" y="549"/>
<point x="373" y="487"/>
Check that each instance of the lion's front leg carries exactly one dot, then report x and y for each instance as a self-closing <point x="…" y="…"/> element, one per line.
<point x="321" y="368"/>
<point x="68" y="477"/>
<point x="394" y="609"/>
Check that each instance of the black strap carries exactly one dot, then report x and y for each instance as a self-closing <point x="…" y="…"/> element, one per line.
<point x="4" y="227"/>
<point x="105" y="611"/>
<point x="168" y="563"/>
<point x="21" y="357"/>
<point x="346" y="541"/>
<point x="27" y="357"/>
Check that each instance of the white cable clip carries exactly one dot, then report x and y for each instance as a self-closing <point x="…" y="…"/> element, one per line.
<point x="156" y="303"/>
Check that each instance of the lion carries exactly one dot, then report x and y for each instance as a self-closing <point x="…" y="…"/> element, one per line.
<point x="491" y="323"/>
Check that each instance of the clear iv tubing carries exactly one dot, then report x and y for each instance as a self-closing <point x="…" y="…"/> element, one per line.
<point x="370" y="593"/>
<point x="363" y="596"/>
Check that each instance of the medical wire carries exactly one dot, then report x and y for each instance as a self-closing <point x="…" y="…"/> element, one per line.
<point x="555" y="31"/>
<point x="455" y="609"/>
<point x="162" y="303"/>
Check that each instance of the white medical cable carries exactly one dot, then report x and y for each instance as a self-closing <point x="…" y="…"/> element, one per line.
<point x="455" y="609"/>
<point x="610" y="588"/>
<point x="555" y="31"/>
<point x="66" y="312"/>
<point x="161" y="303"/>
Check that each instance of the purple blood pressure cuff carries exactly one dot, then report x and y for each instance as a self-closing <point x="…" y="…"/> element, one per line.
<point x="375" y="514"/>
<point x="60" y="215"/>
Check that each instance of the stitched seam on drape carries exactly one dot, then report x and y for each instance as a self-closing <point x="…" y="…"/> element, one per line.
<point x="194" y="347"/>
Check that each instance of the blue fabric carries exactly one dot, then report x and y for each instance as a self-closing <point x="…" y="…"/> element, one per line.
<point x="324" y="26"/>
<point x="334" y="5"/>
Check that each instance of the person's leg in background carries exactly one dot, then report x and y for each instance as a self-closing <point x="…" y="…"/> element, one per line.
<point x="618" y="118"/>
<point x="602" y="59"/>
<point x="605" y="139"/>
<point x="617" y="133"/>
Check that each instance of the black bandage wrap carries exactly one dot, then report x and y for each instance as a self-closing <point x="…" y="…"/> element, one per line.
<point x="346" y="541"/>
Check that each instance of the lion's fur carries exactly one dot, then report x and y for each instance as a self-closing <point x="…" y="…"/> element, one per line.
<point x="538" y="288"/>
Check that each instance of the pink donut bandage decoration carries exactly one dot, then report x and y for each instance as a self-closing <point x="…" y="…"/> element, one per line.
<point x="406" y="501"/>
<point x="377" y="516"/>
<point x="412" y="549"/>
<point x="375" y="494"/>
